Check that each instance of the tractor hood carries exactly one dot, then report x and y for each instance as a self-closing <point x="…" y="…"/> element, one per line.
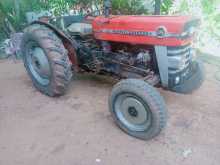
<point x="155" y="30"/>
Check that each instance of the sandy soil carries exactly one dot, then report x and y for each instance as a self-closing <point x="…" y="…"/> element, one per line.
<point x="77" y="129"/>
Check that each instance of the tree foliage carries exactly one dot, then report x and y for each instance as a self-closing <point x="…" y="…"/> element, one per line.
<point x="128" y="7"/>
<point x="60" y="7"/>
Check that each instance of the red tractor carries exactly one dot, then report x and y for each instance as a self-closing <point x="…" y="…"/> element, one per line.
<point x="144" y="51"/>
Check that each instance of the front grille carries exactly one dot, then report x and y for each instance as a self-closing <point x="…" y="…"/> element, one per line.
<point x="183" y="54"/>
<point x="176" y="53"/>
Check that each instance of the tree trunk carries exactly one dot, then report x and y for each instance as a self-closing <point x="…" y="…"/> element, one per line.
<point x="157" y="7"/>
<point x="17" y="8"/>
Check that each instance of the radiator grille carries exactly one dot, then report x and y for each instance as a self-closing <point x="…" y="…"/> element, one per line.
<point x="180" y="52"/>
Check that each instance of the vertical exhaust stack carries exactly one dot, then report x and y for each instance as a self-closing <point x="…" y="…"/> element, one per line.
<point x="157" y="7"/>
<point x="107" y="8"/>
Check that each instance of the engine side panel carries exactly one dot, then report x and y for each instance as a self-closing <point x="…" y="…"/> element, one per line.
<point x="141" y="29"/>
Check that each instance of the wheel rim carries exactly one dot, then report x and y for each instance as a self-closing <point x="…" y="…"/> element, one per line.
<point x="38" y="65"/>
<point x="132" y="112"/>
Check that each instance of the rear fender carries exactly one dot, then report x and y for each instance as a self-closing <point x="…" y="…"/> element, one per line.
<point x="70" y="45"/>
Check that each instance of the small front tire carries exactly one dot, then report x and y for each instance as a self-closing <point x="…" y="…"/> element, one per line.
<point x="138" y="109"/>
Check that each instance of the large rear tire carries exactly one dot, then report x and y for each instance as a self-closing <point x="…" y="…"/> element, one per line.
<point x="46" y="60"/>
<point x="138" y="109"/>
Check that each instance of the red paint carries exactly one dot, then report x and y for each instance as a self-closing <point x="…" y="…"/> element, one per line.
<point x="173" y="24"/>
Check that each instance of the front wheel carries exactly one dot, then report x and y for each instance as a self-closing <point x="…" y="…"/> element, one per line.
<point x="138" y="108"/>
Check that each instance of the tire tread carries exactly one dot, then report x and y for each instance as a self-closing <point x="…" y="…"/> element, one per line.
<point x="58" y="57"/>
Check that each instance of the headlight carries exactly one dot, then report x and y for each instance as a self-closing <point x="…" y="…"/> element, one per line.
<point x="189" y="32"/>
<point x="191" y="27"/>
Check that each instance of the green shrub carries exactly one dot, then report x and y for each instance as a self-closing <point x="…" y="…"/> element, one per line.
<point x="128" y="7"/>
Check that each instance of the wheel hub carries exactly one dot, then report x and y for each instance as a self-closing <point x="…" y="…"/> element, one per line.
<point x="39" y="65"/>
<point x="132" y="112"/>
<point x="40" y="62"/>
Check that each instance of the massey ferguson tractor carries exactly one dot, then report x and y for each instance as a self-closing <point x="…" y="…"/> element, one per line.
<point x="143" y="52"/>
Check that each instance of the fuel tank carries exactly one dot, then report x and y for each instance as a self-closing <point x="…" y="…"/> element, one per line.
<point x="150" y="30"/>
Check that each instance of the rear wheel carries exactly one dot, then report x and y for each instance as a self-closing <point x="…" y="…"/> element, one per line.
<point x="138" y="108"/>
<point x="46" y="60"/>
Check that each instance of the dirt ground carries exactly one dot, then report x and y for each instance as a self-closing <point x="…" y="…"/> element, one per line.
<point x="77" y="129"/>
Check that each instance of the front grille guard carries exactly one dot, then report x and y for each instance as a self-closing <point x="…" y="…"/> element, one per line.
<point x="163" y="55"/>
